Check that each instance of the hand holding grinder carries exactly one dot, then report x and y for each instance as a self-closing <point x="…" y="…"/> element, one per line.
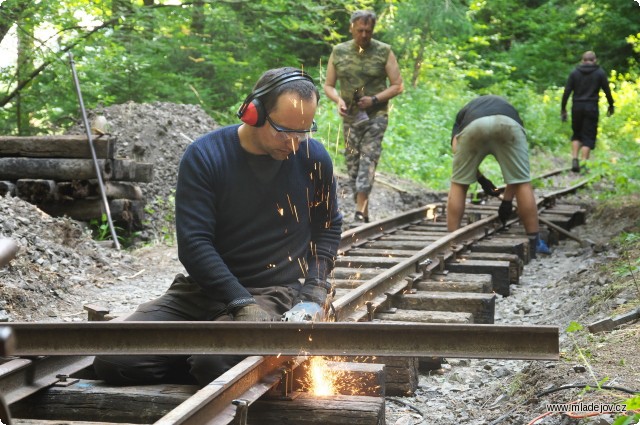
<point x="313" y="297"/>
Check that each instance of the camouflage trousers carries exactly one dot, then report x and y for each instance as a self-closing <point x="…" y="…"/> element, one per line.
<point x="363" y="147"/>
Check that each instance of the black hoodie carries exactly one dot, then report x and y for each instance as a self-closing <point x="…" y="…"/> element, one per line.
<point x="585" y="81"/>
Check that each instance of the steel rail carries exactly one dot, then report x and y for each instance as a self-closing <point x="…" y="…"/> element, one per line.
<point x="561" y="192"/>
<point x="20" y="378"/>
<point x="247" y="381"/>
<point x="351" y="307"/>
<point x="552" y="173"/>
<point x="288" y="339"/>
<point x="359" y="235"/>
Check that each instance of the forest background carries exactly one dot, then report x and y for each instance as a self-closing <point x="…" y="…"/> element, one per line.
<point x="210" y="53"/>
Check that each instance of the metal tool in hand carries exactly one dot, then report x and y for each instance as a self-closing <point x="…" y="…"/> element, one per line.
<point x="361" y="115"/>
<point x="304" y="312"/>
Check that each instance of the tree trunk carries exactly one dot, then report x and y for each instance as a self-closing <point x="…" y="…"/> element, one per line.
<point x="197" y="17"/>
<point x="71" y="146"/>
<point x="24" y="69"/>
<point x="82" y="189"/>
<point x="11" y="11"/>
<point x="53" y="168"/>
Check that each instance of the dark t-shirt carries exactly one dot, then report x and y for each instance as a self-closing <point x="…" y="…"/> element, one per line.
<point x="484" y="106"/>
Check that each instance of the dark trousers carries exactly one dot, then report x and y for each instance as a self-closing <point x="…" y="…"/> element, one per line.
<point x="184" y="301"/>
<point x="584" y="124"/>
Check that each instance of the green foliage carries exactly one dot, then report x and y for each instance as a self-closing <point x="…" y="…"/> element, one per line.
<point x="633" y="405"/>
<point x="574" y="327"/>
<point x="417" y="146"/>
<point x="627" y="420"/>
<point x="161" y="217"/>
<point x="211" y="53"/>
<point x="619" y="136"/>
<point x="627" y="266"/>
<point x="146" y="54"/>
<point x="101" y="230"/>
<point x="539" y="41"/>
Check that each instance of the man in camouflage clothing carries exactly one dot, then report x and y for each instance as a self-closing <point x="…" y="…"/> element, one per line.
<point x="362" y="66"/>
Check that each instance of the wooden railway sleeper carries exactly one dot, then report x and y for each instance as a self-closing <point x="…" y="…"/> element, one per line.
<point x="472" y="217"/>
<point x="96" y="313"/>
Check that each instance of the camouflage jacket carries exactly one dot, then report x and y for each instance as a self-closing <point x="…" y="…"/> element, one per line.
<point x="362" y="72"/>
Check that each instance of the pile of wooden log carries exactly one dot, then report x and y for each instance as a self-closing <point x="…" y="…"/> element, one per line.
<point x="58" y="174"/>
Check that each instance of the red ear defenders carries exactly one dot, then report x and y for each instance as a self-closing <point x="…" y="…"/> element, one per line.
<point x="252" y="111"/>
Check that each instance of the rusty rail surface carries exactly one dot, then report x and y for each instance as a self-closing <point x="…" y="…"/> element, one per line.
<point x="287" y="339"/>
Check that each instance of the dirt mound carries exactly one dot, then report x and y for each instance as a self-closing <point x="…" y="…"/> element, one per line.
<point x="55" y="256"/>
<point x="58" y="261"/>
<point x="156" y="133"/>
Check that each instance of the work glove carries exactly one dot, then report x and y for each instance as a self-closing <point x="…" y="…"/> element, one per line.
<point x="251" y="313"/>
<point x="313" y="296"/>
<point x="304" y="311"/>
<point x="315" y="290"/>
<point x="610" y="110"/>
<point x="488" y="187"/>
<point x="563" y="116"/>
<point x="504" y="211"/>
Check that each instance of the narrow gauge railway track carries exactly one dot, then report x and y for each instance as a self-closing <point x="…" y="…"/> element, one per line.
<point x="407" y="268"/>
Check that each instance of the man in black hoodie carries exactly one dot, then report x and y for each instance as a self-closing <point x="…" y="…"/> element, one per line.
<point x="585" y="81"/>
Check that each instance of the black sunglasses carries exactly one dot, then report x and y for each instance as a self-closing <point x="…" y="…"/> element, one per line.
<point x="280" y="129"/>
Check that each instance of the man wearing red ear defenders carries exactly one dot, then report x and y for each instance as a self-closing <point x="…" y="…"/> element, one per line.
<point x="257" y="224"/>
<point x="362" y="67"/>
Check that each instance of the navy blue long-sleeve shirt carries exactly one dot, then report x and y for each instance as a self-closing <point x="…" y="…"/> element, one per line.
<point x="246" y="220"/>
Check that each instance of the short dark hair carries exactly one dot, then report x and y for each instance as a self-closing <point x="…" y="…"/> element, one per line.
<point x="365" y="15"/>
<point x="589" y="56"/>
<point x="304" y="87"/>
